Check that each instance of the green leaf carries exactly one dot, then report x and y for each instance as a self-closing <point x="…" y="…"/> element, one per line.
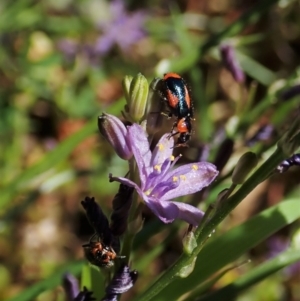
<point x="49" y="283"/>
<point x="227" y="248"/>
<point x="259" y="72"/>
<point x="231" y="291"/>
<point x="93" y="279"/>
<point x="60" y="153"/>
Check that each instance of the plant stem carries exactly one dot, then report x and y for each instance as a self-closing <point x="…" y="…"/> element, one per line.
<point x="129" y="236"/>
<point x="260" y="175"/>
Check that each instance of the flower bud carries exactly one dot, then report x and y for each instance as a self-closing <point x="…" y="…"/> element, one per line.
<point x="224" y="152"/>
<point x="126" y="87"/>
<point x="188" y="269"/>
<point x="287" y="163"/>
<point x="121" y="205"/>
<point x="71" y="286"/>
<point x="115" y="132"/>
<point x="189" y="243"/>
<point x="244" y="166"/>
<point x="122" y="281"/>
<point x="230" y="61"/>
<point x="137" y="98"/>
<point x="97" y="219"/>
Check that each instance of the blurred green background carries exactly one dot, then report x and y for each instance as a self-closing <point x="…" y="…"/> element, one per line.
<point x="61" y="65"/>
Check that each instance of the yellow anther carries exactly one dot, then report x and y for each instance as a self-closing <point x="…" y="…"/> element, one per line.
<point x="175" y="179"/>
<point x="195" y="167"/>
<point x="147" y="192"/>
<point x="160" y="147"/>
<point x="157" y="167"/>
<point x="172" y="158"/>
<point x="183" y="177"/>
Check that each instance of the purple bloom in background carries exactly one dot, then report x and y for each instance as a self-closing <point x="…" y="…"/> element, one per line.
<point x="290" y="93"/>
<point x="278" y="245"/>
<point x="123" y="29"/>
<point x="264" y="133"/>
<point x="230" y="61"/>
<point x="160" y="183"/>
<point x="69" y="48"/>
<point x="71" y="287"/>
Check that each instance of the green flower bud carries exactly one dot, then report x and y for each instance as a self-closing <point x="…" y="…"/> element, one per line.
<point x="189" y="243"/>
<point x="244" y="166"/>
<point x="138" y="95"/>
<point x="188" y="269"/>
<point x="126" y="87"/>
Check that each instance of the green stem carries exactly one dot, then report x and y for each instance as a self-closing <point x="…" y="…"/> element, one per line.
<point x="260" y="175"/>
<point x="129" y="235"/>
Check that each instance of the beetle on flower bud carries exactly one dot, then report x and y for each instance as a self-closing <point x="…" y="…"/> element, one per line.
<point x="99" y="254"/>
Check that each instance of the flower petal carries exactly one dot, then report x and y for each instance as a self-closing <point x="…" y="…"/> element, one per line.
<point x="163" y="150"/>
<point x="168" y="211"/>
<point x="141" y="150"/>
<point x="127" y="182"/>
<point x="192" y="178"/>
<point x="189" y="213"/>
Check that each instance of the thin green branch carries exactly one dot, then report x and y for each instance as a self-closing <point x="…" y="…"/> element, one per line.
<point x="260" y="175"/>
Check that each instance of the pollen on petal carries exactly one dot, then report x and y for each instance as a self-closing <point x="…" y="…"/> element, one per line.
<point x="157" y="167"/>
<point x="175" y="179"/>
<point x="195" y="167"/>
<point x="160" y="147"/>
<point x="182" y="177"/>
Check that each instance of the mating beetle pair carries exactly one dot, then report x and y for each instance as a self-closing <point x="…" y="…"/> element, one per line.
<point x="176" y="95"/>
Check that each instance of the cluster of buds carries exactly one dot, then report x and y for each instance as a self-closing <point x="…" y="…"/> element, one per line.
<point x="136" y="94"/>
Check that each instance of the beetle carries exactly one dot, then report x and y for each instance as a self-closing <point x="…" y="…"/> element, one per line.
<point x="176" y="95"/>
<point x="99" y="254"/>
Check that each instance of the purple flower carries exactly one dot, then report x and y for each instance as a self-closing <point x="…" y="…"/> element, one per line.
<point x="115" y="132"/>
<point x="160" y="182"/>
<point x="123" y="29"/>
<point x="123" y="280"/>
<point x="290" y="93"/>
<point x="73" y="293"/>
<point x="231" y="63"/>
<point x="264" y="133"/>
<point x="98" y="220"/>
<point x="278" y="245"/>
<point x="71" y="286"/>
<point x="69" y="48"/>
